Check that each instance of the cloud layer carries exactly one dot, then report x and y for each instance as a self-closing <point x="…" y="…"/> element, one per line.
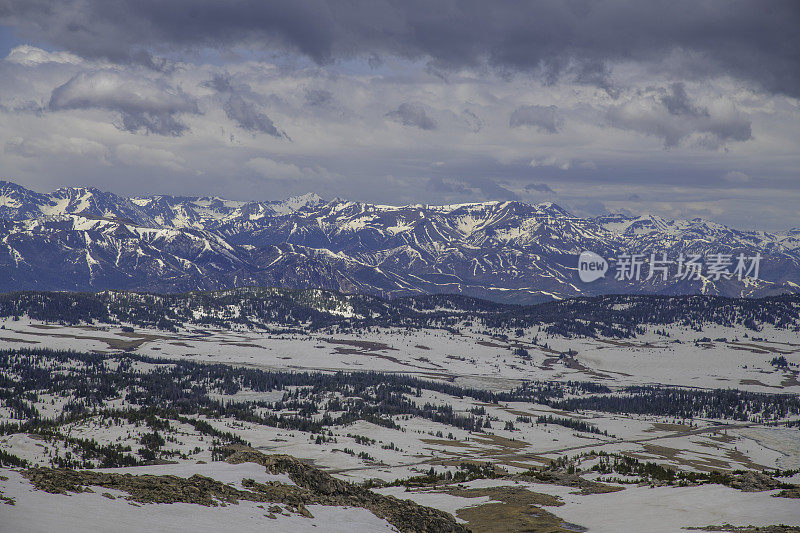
<point x="145" y="105"/>
<point x="684" y="108"/>
<point x="671" y="115"/>
<point x="748" y="39"/>
<point x="411" y="114"/>
<point x="543" y="117"/>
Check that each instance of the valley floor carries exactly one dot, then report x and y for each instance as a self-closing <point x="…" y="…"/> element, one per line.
<point x="590" y="462"/>
<point x="717" y="357"/>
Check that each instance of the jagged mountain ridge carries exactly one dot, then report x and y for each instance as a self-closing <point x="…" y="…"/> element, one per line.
<point x="199" y="212"/>
<point x="86" y="239"/>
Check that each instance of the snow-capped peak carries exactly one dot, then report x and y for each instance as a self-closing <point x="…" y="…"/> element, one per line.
<point x="506" y="248"/>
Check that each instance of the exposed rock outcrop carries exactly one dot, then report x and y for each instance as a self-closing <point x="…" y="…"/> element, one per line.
<point x="313" y="487"/>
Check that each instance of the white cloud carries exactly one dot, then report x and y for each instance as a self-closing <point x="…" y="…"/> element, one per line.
<point x="31" y="56"/>
<point x="145" y="104"/>
<point x="58" y="146"/>
<point x="135" y="155"/>
<point x="563" y="164"/>
<point x="269" y="168"/>
<point x="737" y="177"/>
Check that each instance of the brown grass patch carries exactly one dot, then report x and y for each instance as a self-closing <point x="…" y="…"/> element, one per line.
<point x="739" y="457"/>
<point x="706" y="464"/>
<point x="445" y="442"/>
<point x="362" y="345"/>
<point x="492" y="344"/>
<point x="15" y="339"/>
<point x="516" y="509"/>
<point x="757" y="382"/>
<point x="661" y="426"/>
<point x="791" y="379"/>
<point x="760" y="348"/>
<point x="500" y="442"/>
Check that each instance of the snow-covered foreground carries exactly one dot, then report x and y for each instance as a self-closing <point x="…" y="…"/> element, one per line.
<point x="634" y="509"/>
<point x="40" y="512"/>
<point x="514" y="439"/>
<point x="670" y="509"/>
<point x="637" y="509"/>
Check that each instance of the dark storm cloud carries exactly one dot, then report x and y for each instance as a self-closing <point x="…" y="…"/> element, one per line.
<point x="474" y="122"/>
<point x="678" y="102"/>
<point x="410" y="114"/>
<point x="749" y="39"/>
<point x="492" y="190"/>
<point x="544" y="118"/>
<point x="319" y="97"/>
<point x="246" y="115"/>
<point x="145" y="105"/>
<point x="239" y="107"/>
<point x="539" y="187"/>
<point x="596" y="72"/>
<point x="159" y="124"/>
<point x="676" y="119"/>
<point x="220" y="83"/>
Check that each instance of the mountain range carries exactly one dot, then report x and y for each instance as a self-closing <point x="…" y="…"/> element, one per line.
<point x="84" y="239"/>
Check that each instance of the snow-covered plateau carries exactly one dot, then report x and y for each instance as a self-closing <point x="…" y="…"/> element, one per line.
<point x="530" y="428"/>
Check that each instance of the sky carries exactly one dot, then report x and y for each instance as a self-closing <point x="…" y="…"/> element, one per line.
<point x="677" y="108"/>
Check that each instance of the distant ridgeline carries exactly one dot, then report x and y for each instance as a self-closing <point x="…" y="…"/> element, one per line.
<point x="283" y="310"/>
<point x="84" y="239"/>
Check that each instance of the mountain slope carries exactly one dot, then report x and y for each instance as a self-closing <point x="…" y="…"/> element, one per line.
<point x="86" y="239"/>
